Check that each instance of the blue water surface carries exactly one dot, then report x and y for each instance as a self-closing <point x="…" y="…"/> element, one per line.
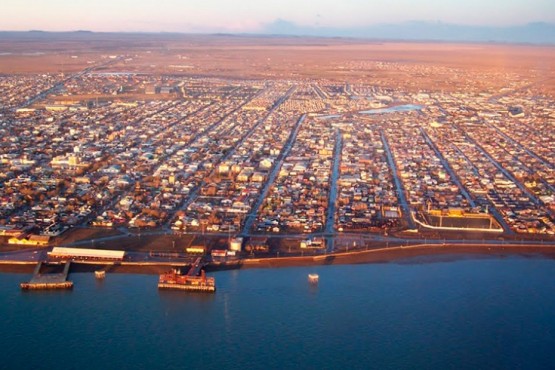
<point x="463" y="314"/>
<point x="397" y="108"/>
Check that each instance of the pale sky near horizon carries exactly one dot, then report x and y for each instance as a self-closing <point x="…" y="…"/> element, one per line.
<point x="254" y="15"/>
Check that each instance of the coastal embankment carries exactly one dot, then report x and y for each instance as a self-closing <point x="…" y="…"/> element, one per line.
<point x="412" y="253"/>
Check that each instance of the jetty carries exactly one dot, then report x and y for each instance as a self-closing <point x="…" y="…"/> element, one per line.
<point x="195" y="280"/>
<point x="49" y="275"/>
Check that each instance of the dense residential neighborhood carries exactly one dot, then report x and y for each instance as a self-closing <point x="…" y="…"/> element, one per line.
<point x="280" y="156"/>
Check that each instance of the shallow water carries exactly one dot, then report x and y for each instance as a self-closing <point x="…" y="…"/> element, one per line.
<point x="398" y="108"/>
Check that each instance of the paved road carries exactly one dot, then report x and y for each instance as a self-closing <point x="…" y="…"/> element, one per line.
<point x="447" y="167"/>
<point x="249" y="221"/>
<point x="194" y="193"/>
<point x="504" y="171"/>
<point x="492" y="209"/>
<point x="192" y="196"/>
<point x="530" y="153"/>
<point x="398" y="183"/>
<point x="332" y="196"/>
<point x="36" y="255"/>
<point x="60" y="84"/>
<point x="527" y="150"/>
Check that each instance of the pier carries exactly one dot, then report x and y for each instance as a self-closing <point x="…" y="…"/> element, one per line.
<point x="195" y="280"/>
<point x="45" y="277"/>
<point x="195" y="268"/>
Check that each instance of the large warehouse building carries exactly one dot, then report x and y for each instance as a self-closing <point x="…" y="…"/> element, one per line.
<point x="86" y="254"/>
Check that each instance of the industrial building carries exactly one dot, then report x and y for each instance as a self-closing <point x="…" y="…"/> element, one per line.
<point x="86" y="254"/>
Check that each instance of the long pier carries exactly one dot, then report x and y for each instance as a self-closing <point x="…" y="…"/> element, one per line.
<point x="49" y="280"/>
<point x="195" y="280"/>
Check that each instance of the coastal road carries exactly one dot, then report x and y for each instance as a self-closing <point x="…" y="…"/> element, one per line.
<point x="379" y="243"/>
<point x="28" y="255"/>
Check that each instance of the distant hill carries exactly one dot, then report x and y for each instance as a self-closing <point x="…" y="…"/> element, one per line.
<point x="537" y="33"/>
<point x="533" y="33"/>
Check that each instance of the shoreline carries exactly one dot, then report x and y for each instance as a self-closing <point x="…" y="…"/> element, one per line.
<point x="421" y="253"/>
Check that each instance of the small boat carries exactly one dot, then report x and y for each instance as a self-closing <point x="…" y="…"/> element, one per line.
<point x="313" y="278"/>
<point x="100" y="274"/>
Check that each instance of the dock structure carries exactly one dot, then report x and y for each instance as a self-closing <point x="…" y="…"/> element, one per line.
<point x="44" y="280"/>
<point x="195" y="280"/>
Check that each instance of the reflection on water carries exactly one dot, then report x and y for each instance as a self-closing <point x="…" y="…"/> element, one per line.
<point x="475" y="313"/>
<point x="329" y="116"/>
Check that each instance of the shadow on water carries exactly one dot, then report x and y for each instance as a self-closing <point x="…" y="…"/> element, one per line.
<point x="173" y="296"/>
<point x="46" y="292"/>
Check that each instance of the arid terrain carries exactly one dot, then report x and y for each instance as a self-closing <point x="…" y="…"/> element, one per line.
<point x="308" y="138"/>
<point x="412" y="66"/>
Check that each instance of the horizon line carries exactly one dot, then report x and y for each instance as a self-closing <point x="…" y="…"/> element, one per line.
<point x="313" y="36"/>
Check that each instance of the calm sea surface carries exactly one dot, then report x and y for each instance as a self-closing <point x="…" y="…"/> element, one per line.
<point x="462" y="314"/>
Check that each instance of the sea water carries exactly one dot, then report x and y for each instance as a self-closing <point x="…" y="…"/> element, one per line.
<point x="469" y="313"/>
<point x="397" y="108"/>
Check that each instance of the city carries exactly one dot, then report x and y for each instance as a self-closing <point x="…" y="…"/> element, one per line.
<point x="111" y="148"/>
<point x="276" y="184"/>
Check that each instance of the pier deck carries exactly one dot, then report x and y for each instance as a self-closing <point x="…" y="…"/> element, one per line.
<point x="49" y="280"/>
<point x="191" y="281"/>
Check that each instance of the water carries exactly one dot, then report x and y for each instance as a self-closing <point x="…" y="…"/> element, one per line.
<point x="462" y="314"/>
<point x="398" y="108"/>
<point x="329" y="116"/>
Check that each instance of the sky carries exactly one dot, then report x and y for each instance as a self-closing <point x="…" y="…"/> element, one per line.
<point x="253" y="16"/>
